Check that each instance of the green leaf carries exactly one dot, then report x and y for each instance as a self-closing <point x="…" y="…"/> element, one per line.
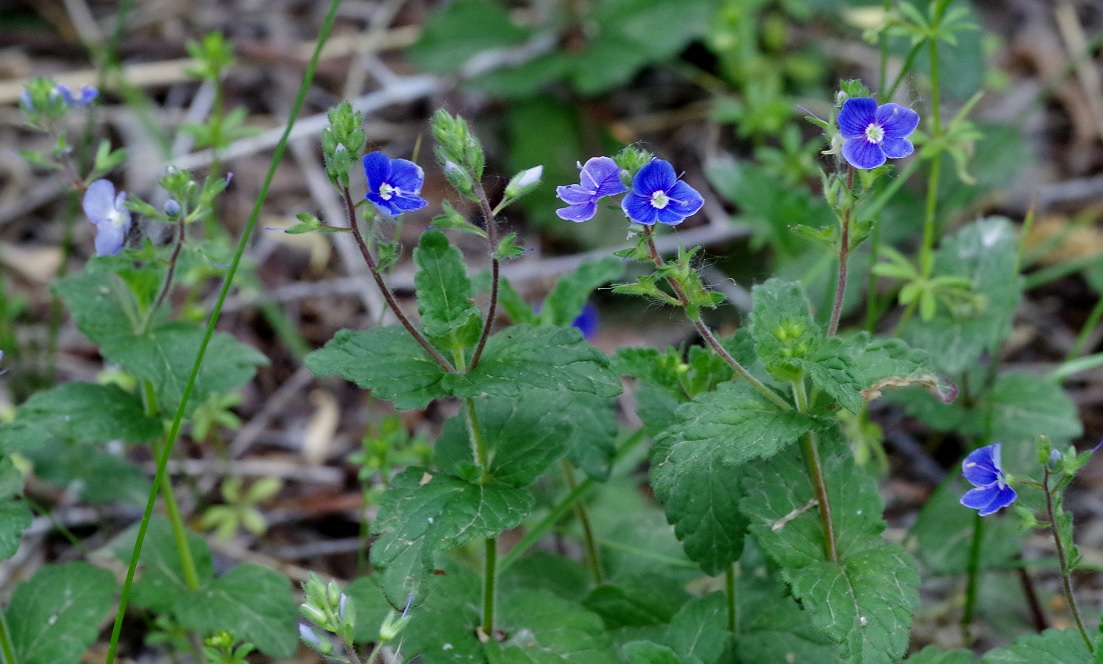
<point x="864" y="602"/>
<point x="546" y="629"/>
<point x="888" y="363"/>
<point x="445" y="294"/>
<point x="779" y="501"/>
<point x="442" y="629"/>
<point x="460" y="30"/>
<point x="645" y="652"/>
<point x="54" y="617"/>
<point x="15" y="516"/>
<point x="564" y="576"/>
<point x="1052" y="646"/>
<point x="782" y="327"/>
<point x="986" y="253"/>
<point x="421" y="515"/>
<point x="522" y="358"/>
<point x="935" y="655"/>
<point x="521" y="437"/>
<point x="700" y="628"/>
<point x="105" y="308"/>
<point x="161" y="582"/>
<point x="385" y="360"/>
<point x="832" y="370"/>
<point x="565" y="301"/>
<point x="371" y="607"/>
<point x="252" y="602"/>
<point x="81" y="413"/>
<point x="91" y="473"/>
<point x="165" y="357"/>
<point x="1025" y="406"/>
<point x="637" y="600"/>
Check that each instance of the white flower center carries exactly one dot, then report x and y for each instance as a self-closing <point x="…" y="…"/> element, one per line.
<point x="874" y="133"/>
<point x="659" y="199"/>
<point x="386" y="191"/>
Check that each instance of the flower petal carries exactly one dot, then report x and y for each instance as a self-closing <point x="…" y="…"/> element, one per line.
<point x="981" y="467"/>
<point x="860" y="153"/>
<point x="377" y="168"/>
<point x="684" y="199"/>
<point x="989" y="500"/>
<point x="639" y="208"/>
<point x="856" y="114"/>
<point x="99" y="201"/>
<point x="896" y="148"/>
<point x="601" y="177"/>
<point x="407" y="176"/>
<point x="578" y="213"/>
<point x="110" y="237"/>
<point x="407" y="203"/>
<point x="574" y="194"/>
<point x="656" y="175"/>
<point x="387" y="206"/>
<point x="897" y="121"/>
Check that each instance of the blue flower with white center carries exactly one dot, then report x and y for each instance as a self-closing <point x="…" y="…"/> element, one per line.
<point x="873" y="133"/>
<point x="106" y="211"/>
<point x="394" y="185"/>
<point x="599" y="177"/>
<point x="658" y="195"/>
<point x="982" y="469"/>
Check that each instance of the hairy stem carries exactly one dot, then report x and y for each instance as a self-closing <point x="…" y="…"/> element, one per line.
<point x="495" y="270"/>
<point x="490" y="578"/>
<point x="385" y="290"/>
<point x="811" y="452"/>
<point x="1062" y="559"/>
<point x="166" y="286"/>
<point x="705" y="332"/>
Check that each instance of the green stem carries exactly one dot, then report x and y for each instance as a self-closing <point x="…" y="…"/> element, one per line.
<point x="972" y="570"/>
<point x="1089" y="325"/>
<point x="478" y="445"/>
<point x="872" y="306"/>
<point x="167" y="285"/>
<point x="490" y="579"/>
<point x="844" y="260"/>
<point x="593" y="561"/>
<point x="926" y="260"/>
<point x="705" y="332"/>
<point x="729" y="591"/>
<point x="811" y="452"/>
<point x="6" y="648"/>
<point x="495" y="273"/>
<point x="384" y="289"/>
<point x="1062" y="558"/>
<point x="174" y="431"/>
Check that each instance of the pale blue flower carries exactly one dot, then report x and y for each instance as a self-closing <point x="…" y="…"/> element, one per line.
<point x="107" y="212"/>
<point x="600" y="177"/>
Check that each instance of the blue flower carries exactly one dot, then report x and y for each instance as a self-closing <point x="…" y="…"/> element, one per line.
<point x="982" y="469"/>
<point x="874" y="133"/>
<point x="599" y="177"/>
<point x="106" y="211"/>
<point x="88" y="94"/>
<point x="586" y="322"/>
<point x="658" y="195"/>
<point x="394" y="185"/>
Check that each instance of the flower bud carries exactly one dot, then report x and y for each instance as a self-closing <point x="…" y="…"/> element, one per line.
<point x="524" y="182"/>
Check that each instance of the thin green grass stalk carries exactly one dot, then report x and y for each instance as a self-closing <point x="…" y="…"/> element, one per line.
<point x="177" y="422"/>
<point x="593" y="561"/>
<point x="729" y="592"/>
<point x="1085" y="331"/>
<point x="6" y="648"/>
<point x="490" y="561"/>
<point x="545" y="525"/>
<point x="972" y="583"/>
<point x="926" y="250"/>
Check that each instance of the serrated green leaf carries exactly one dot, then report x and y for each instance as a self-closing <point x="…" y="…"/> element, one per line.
<point x="442" y="629"/>
<point x="778" y="500"/>
<point x="161" y="581"/>
<point x="645" y="652"/>
<point x="1025" y="406"/>
<point x="445" y="294"/>
<point x="564" y="576"/>
<point x="700" y="629"/>
<point x="832" y="370"/>
<point x="421" y="515"/>
<point x="15" y="516"/>
<point x="252" y="602"/>
<point x="54" y="617"/>
<point x="887" y="363"/>
<point x="543" y="628"/>
<point x="986" y="253"/>
<point x="637" y="600"/>
<point x="461" y="29"/>
<point x="90" y="473"/>
<point x="521" y="358"/>
<point x="521" y="438"/>
<point x="565" y="301"/>
<point x="782" y="327"/>
<point x="385" y="360"/>
<point x="935" y="655"/>
<point x="1053" y="646"/>
<point x="864" y="602"/>
<point x="80" y="413"/>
